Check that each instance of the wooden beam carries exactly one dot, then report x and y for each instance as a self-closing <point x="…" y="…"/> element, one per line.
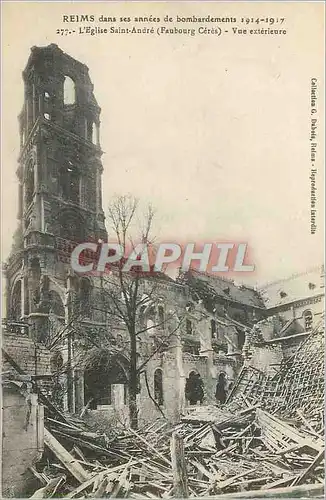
<point x="71" y="464"/>
<point x="304" y="491"/>
<point x="180" y="479"/>
<point x="318" y="459"/>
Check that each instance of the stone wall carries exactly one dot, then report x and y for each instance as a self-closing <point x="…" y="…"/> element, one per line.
<point x="266" y="358"/>
<point x="174" y="378"/>
<point x="22" y="439"/>
<point x="32" y="358"/>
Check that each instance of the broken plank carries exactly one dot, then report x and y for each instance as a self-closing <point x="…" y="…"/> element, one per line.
<point x="305" y="474"/>
<point x="154" y="450"/>
<point x="203" y="470"/>
<point x="71" y="464"/>
<point x="230" y="480"/>
<point x="97" y="477"/>
<point x="179" y="469"/>
<point x="285" y="481"/>
<point x="38" y="476"/>
<point x="251" y="481"/>
<point x="268" y="421"/>
<point x="304" y="491"/>
<point x="49" y="489"/>
<point x="122" y="482"/>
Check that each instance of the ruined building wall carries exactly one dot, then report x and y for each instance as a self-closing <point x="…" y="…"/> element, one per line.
<point x="33" y="358"/>
<point x="22" y="439"/>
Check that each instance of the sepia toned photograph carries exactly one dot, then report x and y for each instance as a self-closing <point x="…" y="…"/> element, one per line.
<point x="162" y="252"/>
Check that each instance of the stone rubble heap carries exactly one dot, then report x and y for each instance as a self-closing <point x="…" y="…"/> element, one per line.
<point x="246" y="451"/>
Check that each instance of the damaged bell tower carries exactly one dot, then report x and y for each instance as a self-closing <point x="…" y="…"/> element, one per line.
<point x="59" y="177"/>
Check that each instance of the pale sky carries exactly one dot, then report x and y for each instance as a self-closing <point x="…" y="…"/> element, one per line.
<point x="213" y="131"/>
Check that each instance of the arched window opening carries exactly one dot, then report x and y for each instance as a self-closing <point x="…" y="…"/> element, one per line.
<point x="194" y="388"/>
<point x="188" y="327"/>
<point x="69" y="91"/>
<point x="47" y="96"/>
<point x="308" y="320"/>
<point x="29" y="183"/>
<point x="94" y="134"/>
<point x="97" y="388"/>
<point x="56" y="304"/>
<point x="213" y="329"/>
<point x="34" y="282"/>
<point x="85" y="297"/>
<point x="26" y="304"/>
<point x="16" y="302"/>
<point x="221" y="386"/>
<point x="158" y="387"/>
<point x="69" y="182"/>
<point x="89" y="130"/>
<point x="103" y="371"/>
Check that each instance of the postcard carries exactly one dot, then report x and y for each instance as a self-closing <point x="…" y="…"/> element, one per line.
<point x="162" y="249"/>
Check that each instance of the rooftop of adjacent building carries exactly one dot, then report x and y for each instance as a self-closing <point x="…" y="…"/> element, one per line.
<point x="299" y="286"/>
<point x="296" y="287"/>
<point x="222" y="287"/>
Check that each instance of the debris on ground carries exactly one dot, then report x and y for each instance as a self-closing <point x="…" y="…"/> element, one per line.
<point x="246" y="451"/>
<point x="267" y="438"/>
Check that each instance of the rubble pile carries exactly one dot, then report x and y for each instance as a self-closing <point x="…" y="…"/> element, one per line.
<point x="268" y="438"/>
<point x="295" y="391"/>
<point x="224" y="453"/>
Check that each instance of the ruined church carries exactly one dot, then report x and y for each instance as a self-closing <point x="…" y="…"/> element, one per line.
<point x="54" y="319"/>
